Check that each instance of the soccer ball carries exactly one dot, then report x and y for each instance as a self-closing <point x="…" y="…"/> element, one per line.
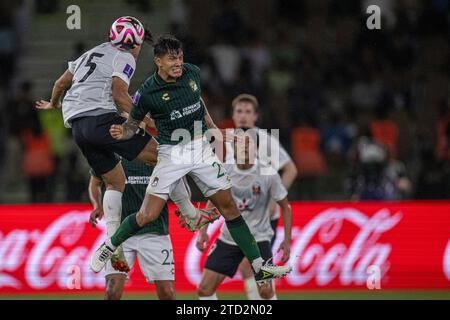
<point x="126" y="33"/>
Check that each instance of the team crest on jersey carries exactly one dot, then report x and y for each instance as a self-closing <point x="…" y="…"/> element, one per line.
<point x="256" y="190"/>
<point x="165" y="96"/>
<point x="155" y="181"/>
<point x="193" y="85"/>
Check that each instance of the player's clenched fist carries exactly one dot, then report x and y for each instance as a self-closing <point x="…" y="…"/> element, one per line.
<point x="116" y="131"/>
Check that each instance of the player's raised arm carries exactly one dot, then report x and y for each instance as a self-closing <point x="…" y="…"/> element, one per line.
<point x="62" y="84"/>
<point x="286" y="213"/>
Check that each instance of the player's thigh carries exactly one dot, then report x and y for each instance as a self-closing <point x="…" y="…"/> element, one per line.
<point x="165" y="289"/>
<point x="167" y="172"/>
<point x="224" y="258"/>
<point x="155" y="256"/>
<point x="149" y="154"/>
<point x="100" y="159"/>
<point x="98" y="134"/>
<point x="210" y="176"/>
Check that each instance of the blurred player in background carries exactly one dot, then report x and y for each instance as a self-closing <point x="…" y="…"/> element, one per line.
<point x="252" y="190"/>
<point x="97" y="84"/>
<point x="245" y="115"/>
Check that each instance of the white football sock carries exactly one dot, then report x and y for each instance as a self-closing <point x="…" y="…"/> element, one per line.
<point x="211" y="297"/>
<point x="112" y="207"/>
<point x="181" y="196"/>
<point x="251" y="289"/>
<point x="257" y="264"/>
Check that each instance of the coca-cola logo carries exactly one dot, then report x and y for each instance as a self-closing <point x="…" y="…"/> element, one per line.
<point x="48" y="256"/>
<point x="318" y="251"/>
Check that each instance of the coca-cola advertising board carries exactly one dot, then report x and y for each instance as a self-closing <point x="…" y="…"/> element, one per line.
<point x="404" y="245"/>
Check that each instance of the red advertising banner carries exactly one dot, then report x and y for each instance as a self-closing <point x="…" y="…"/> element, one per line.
<point x="404" y="245"/>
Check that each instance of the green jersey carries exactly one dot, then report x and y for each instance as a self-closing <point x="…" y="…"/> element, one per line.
<point x="138" y="175"/>
<point x="173" y="105"/>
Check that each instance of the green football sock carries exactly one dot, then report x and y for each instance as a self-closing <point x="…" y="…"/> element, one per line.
<point x="244" y="239"/>
<point x="127" y="229"/>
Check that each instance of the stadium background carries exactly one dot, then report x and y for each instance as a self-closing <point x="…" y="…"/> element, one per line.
<point x="321" y="76"/>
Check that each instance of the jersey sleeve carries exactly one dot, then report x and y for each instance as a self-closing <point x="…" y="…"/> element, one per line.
<point x="124" y="66"/>
<point x="72" y="65"/>
<point x="277" y="189"/>
<point x="140" y="108"/>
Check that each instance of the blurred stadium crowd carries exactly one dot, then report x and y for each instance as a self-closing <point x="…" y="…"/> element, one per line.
<point x="365" y="114"/>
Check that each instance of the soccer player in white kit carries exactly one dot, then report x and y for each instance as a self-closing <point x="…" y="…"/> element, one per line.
<point x="97" y="84"/>
<point x="252" y="189"/>
<point x="245" y="114"/>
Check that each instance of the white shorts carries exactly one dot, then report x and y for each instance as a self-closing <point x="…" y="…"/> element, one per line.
<point x="195" y="159"/>
<point x="155" y="256"/>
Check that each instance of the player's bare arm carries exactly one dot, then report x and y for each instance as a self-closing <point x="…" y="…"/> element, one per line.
<point x="62" y="84"/>
<point x="288" y="173"/>
<point x="120" y="94"/>
<point x="202" y="238"/>
<point x="123" y="100"/>
<point x="95" y="196"/>
<point x="286" y="213"/>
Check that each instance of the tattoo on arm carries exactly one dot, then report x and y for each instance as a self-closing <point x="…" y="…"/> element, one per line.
<point x="130" y="127"/>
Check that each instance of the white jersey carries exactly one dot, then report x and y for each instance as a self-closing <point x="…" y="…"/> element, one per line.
<point x="269" y="148"/>
<point x="91" y="90"/>
<point x="252" y="192"/>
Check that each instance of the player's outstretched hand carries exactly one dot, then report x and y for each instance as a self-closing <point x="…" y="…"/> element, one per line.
<point x="286" y="247"/>
<point x="202" y="241"/>
<point x="116" y="131"/>
<point x="96" y="214"/>
<point x="45" y="105"/>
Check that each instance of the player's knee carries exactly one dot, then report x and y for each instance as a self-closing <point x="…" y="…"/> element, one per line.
<point x="166" y="293"/>
<point x="116" y="183"/>
<point x="204" y="290"/>
<point x="266" y="292"/>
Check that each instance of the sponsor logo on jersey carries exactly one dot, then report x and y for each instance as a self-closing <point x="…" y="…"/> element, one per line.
<point x="175" y="114"/>
<point x="165" y="97"/>
<point x="128" y="70"/>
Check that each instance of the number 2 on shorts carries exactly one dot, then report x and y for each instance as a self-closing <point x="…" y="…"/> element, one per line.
<point x="220" y="173"/>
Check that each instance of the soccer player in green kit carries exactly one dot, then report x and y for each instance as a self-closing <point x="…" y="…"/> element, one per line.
<point x="172" y="96"/>
<point x="152" y="244"/>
